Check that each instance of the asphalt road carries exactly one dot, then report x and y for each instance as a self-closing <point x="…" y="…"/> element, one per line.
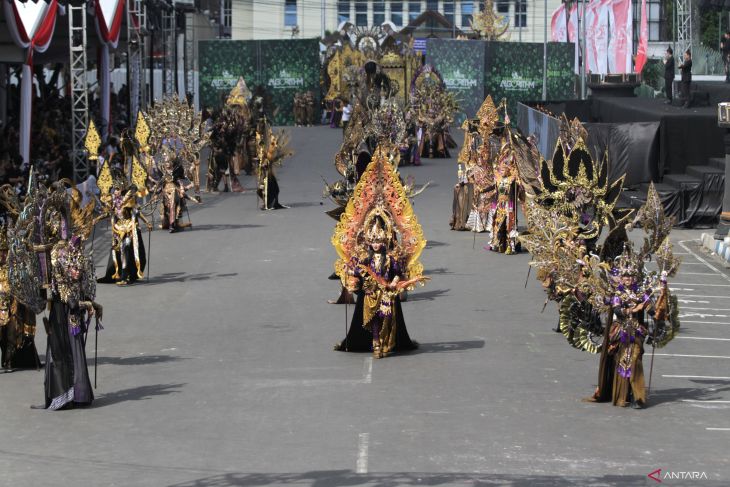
<point x="220" y="370"/>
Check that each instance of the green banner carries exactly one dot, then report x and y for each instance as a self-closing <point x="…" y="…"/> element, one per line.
<point x="281" y="67"/>
<point x="221" y="63"/>
<point x="461" y="64"/>
<point x="288" y="67"/>
<point x="561" y="78"/>
<point x="511" y="70"/>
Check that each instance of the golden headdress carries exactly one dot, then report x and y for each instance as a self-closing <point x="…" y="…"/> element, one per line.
<point x="379" y="197"/>
<point x="239" y="95"/>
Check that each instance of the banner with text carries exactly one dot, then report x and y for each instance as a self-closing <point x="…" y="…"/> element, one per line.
<point x="280" y="67"/>
<point x="461" y="64"/>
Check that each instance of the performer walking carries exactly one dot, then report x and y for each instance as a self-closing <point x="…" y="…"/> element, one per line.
<point x="379" y="241"/>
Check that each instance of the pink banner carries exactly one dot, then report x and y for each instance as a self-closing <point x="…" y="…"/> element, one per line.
<point x="643" y="40"/>
<point x="608" y="32"/>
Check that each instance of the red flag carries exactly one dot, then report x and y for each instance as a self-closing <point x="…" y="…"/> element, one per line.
<point x="643" y="40"/>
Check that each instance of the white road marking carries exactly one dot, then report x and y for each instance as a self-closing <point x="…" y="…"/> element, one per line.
<point x="700" y="285"/>
<point x="717" y="429"/>
<point x="690" y="356"/>
<point x="707" y="322"/>
<point x="701" y="315"/>
<point x="709" y="266"/>
<point x="699" y="274"/>
<point x="701" y="296"/>
<point x="707" y="309"/>
<point x="367" y="371"/>
<point x="714" y="401"/>
<point x="709" y="377"/>
<point x="363" y="444"/>
<point x="705" y="338"/>
<point x="692" y="301"/>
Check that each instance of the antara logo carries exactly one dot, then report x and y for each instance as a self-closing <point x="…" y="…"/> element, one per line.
<point x="658" y="477"/>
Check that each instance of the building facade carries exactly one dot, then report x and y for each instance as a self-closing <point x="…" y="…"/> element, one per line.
<point x="284" y="19"/>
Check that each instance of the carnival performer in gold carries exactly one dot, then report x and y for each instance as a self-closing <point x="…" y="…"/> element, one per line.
<point x="609" y="302"/>
<point x="49" y="267"/>
<point x="272" y="150"/>
<point x="379" y="241"/>
<point x="127" y="257"/>
<point x="170" y="188"/>
<point x="17" y="322"/>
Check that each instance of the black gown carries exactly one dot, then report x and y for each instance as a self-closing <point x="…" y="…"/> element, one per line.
<point x="67" y="380"/>
<point x="128" y="273"/>
<point x="16" y="349"/>
<point x="360" y="339"/>
<point x="272" y="194"/>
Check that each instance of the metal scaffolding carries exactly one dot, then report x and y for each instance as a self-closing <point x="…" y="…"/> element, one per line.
<point x="684" y="26"/>
<point x="79" y="89"/>
<point x="169" y="44"/>
<point x="136" y="28"/>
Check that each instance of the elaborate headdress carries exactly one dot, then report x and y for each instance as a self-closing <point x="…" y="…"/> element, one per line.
<point x="574" y="182"/>
<point x="239" y="95"/>
<point x="379" y="196"/>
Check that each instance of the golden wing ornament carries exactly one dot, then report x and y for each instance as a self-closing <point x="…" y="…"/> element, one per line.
<point x="92" y="142"/>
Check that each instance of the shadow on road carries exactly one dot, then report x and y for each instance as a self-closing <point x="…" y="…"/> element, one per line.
<point x="348" y="477"/>
<point x="137" y="394"/>
<point x="433" y="243"/>
<point x="302" y="204"/>
<point x="439" y="271"/>
<point x="661" y="396"/>
<point x="182" y="277"/>
<point x="139" y="360"/>
<point x="427" y="295"/>
<point x="445" y="347"/>
<point x="221" y="226"/>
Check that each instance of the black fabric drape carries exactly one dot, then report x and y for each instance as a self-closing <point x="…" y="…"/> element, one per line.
<point x="360" y="339"/>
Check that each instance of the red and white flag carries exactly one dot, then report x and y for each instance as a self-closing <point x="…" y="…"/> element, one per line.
<point x="643" y="40"/>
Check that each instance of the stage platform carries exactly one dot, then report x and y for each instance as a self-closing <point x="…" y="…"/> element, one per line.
<point x="719" y="91"/>
<point x="690" y="159"/>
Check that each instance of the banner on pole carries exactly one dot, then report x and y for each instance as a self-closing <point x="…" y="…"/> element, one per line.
<point x="609" y="30"/>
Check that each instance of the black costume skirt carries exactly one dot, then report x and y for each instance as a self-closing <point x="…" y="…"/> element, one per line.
<point x="67" y="376"/>
<point x="130" y="272"/>
<point x="18" y="350"/>
<point x="360" y="339"/>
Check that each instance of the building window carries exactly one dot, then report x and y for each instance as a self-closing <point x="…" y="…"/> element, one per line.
<point x="343" y="11"/>
<point x="361" y="14"/>
<point x="290" y="13"/>
<point x="414" y="10"/>
<point x="432" y="5"/>
<point x="396" y="13"/>
<point x="449" y="10"/>
<point x="503" y="6"/>
<point x="520" y="13"/>
<point x="378" y="12"/>
<point x="654" y="19"/>
<point x="467" y="10"/>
